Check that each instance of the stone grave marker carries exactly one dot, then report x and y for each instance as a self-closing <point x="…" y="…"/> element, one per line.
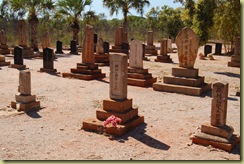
<point x="138" y="76"/>
<point x="207" y="50"/>
<point x="25" y="101"/>
<point x="150" y="47"/>
<point x="118" y="40"/>
<point x="48" y="61"/>
<point x="106" y="47"/>
<point x="163" y="55"/>
<point x="99" y="47"/>
<point x="73" y="47"/>
<point x="185" y="79"/>
<point x="18" y="58"/>
<point x="218" y="49"/>
<point x="3" y="62"/>
<point x="87" y="70"/>
<point x="118" y="104"/>
<point x="102" y="57"/>
<point x="3" y="43"/>
<point x="217" y="133"/>
<point x="59" y="47"/>
<point x="236" y="58"/>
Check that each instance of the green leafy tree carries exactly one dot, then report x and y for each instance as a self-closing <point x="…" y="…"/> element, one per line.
<point x="33" y="8"/>
<point x="203" y="19"/>
<point x="125" y="6"/>
<point x="152" y="18"/>
<point x="74" y="10"/>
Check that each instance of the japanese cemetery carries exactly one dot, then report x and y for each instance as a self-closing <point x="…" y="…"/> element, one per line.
<point x="77" y="85"/>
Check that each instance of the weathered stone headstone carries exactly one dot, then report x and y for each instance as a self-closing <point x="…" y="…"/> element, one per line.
<point x="48" y="61"/>
<point x="99" y="47"/>
<point x="22" y="36"/>
<point x="106" y="47"/>
<point x="187" y="43"/>
<point x="25" y="101"/>
<point x="218" y="49"/>
<point x="136" y="54"/>
<point x="27" y="52"/>
<point x="3" y="43"/>
<point x="118" y="104"/>
<point x="236" y="58"/>
<point x="3" y="62"/>
<point x="150" y="48"/>
<point x="73" y="47"/>
<point x="163" y="55"/>
<point x="118" y="77"/>
<point x="95" y="38"/>
<point x="88" y="45"/>
<point x="118" y="36"/>
<point x="59" y="47"/>
<point x="88" y="69"/>
<point x="169" y="46"/>
<point x="207" y="50"/>
<point x="217" y="133"/>
<point x="125" y="48"/>
<point x="18" y="57"/>
<point x="138" y="76"/>
<point x="185" y="78"/>
<point x="46" y="40"/>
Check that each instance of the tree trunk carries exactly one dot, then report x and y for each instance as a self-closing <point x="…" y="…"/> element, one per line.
<point x="33" y="32"/>
<point x="125" y="28"/>
<point x="75" y="28"/>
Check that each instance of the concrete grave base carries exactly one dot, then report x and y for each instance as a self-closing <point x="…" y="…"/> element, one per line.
<point x="4" y="51"/>
<point x="119" y="108"/>
<point x="102" y="60"/>
<point x="184" y="81"/>
<point x="235" y="61"/>
<point x="25" y="106"/>
<point x="215" y="141"/>
<point x="48" y="70"/>
<point x="17" y="66"/>
<point x="163" y="59"/>
<point x="3" y="62"/>
<point x="85" y="71"/>
<point x="140" y="77"/>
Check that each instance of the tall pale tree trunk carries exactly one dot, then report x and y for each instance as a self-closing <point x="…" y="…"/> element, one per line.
<point x="33" y="32"/>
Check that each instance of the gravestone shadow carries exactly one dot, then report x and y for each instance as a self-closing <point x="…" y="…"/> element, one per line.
<point x="34" y="113"/>
<point x="139" y="133"/>
<point x="229" y="74"/>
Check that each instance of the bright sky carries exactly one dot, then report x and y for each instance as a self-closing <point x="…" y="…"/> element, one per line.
<point x="97" y="6"/>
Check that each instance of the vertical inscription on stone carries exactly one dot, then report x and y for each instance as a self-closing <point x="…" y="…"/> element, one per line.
<point x="150" y="38"/>
<point x="118" y="76"/>
<point x="25" y="82"/>
<point x="88" y="45"/>
<point x="219" y="104"/>
<point x="136" y="54"/>
<point x="187" y="43"/>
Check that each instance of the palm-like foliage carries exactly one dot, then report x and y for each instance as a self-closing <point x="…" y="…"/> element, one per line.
<point x="74" y="10"/>
<point x="125" y="6"/>
<point x="32" y="7"/>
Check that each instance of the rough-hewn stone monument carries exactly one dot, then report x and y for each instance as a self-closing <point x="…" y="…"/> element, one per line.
<point x="101" y="58"/>
<point x="87" y="70"/>
<point x="217" y="133"/>
<point x="163" y="56"/>
<point x="3" y="43"/>
<point x="137" y="75"/>
<point x="118" y="104"/>
<point x="120" y="45"/>
<point x="25" y="101"/>
<point x="185" y="78"/>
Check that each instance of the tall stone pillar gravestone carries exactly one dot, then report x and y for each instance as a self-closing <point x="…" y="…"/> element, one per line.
<point x="236" y="58"/>
<point x="3" y="44"/>
<point x="18" y="58"/>
<point x="118" y="104"/>
<point x="150" y="48"/>
<point x="87" y="70"/>
<point x="137" y="75"/>
<point x="118" y="40"/>
<point x="48" y="60"/>
<point x="217" y="133"/>
<point x="163" y="56"/>
<point x="22" y="40"/>
<point x="185" y="79"/>
<point x="102" y="57"/>
<point x="25" y="101"/>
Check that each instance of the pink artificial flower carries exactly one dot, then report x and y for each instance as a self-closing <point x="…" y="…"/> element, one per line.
<point x="113" y="120"/>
